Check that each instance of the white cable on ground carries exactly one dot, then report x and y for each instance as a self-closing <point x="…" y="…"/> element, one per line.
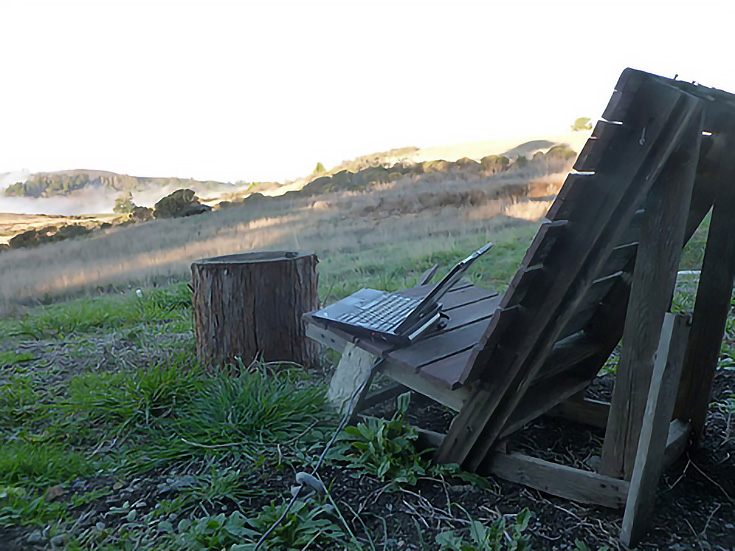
<point x="306" y="479"/>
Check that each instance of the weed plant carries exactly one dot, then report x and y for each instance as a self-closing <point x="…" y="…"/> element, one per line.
<point x="18" y="508"/>
<point x="495" y="537"/>
<point x="386" y="449"/>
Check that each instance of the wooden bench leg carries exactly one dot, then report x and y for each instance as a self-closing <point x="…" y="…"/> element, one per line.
<point x="649" y="459"/>
<point x="355" y="368"/>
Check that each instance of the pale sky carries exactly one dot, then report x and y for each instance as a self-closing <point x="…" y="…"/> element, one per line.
<point x="249" y="90"/>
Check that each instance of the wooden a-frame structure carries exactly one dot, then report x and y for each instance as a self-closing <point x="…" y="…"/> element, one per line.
<point x="601" y="268"/>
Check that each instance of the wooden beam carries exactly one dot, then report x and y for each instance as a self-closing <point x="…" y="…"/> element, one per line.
<point x="326" y="337"/>
<point x="586" y="411"/>
<point x="381" y="395"/>
<point x="676" y="443"/>
<point x="649" y="460"/>
<point x="453" y="399"/>
<point x="559" y="480"/>
<point x="654" y="278"/>
<point x="541" y="398"/>
<point x="352" y="378"/>
<point x="713" y="295"/>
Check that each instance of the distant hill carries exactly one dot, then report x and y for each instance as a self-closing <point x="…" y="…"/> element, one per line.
<point x="65" y="183"/>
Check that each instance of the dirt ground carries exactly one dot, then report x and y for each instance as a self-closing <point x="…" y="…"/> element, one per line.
<point x="694" y="506"/>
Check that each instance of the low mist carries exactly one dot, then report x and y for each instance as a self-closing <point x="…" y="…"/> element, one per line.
<point x="88" y="202"/>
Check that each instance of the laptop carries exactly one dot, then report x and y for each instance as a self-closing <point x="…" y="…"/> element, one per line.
<point x="393" y="317"/>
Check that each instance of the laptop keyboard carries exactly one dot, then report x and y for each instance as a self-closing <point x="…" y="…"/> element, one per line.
<point x="385" y="314"/>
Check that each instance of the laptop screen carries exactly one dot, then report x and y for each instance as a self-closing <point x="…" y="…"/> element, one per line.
<point x="447" y="282"/>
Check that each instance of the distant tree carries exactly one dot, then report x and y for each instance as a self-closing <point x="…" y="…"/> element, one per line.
<point x="319" y="169"/>
<point x="124" y="204"/>
<point x="582" y="123"/>
<point x="178" y="203"/>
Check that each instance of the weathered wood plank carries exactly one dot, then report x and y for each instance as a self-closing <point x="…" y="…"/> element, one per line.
<point x="677" y="441"/>
<point x="633" y="167"/>
<point x="713" y="296"/>
<point x="619" y="259"/>
<point x="590" y="304"/>
<point x="597" y="145"/>
<point x="328" y="338"/>
<point x="453" y="399"/>
<point x="618" y="109"/>
<point x="659" y="250"/>
<point x="654" y="433"/>
<point x="567" y="355"/>
<point x="586" y="411"/>
<point x="543" y="243"/>
<point x="375" y="397"/>
<point x="351" y="379"/>
<point x="577" y="188"/>
<point x="559" y="480"/>
<point x="541" y="397"/>
<point x="522" y="282"/>
<point x="446" y="372"/>
<point x="441" y="345"/>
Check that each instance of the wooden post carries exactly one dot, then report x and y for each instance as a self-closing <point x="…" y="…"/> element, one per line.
<point x="654" y="278"/>
<point x="649" y="461"/>
<point x="250" y="306"/>
<point x="355" y="368"/>
<point x="713" y="296"/>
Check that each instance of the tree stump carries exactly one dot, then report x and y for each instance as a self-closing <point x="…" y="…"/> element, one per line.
<point x="250" y="305"/>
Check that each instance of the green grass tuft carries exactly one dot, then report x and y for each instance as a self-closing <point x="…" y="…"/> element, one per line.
<point x="40" y="463"/>
<point x="133" y="400"/>
<point x="8" y="359"/>
<point x="259" y="406"/>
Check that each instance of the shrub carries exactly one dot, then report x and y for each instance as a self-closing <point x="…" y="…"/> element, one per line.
<point x="124" y="204"/>
<point x="582" y="123"/>
<point x="175" y="204"/>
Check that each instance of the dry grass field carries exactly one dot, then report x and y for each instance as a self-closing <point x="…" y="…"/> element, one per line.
<point x="13" y="224"/>
<point x="385" y="232"/>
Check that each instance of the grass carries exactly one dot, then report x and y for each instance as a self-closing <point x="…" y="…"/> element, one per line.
<point x="37" y="463"/>
<point x="146" y="407"/>
<point x="333" y="225"/>
<point x="106" y="391"/>
<point x="168" y="305"/>
<point x="130" y="401"/>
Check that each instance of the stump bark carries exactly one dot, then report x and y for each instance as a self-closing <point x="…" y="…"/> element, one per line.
<point x="250" y="305"/>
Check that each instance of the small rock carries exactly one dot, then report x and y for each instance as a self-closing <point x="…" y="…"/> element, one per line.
<point x="35" y="537"/>
<point x="79" y="485"/>
<point x="730" y="526"/>
<point x="117" y="485"/>
<point x="182" y="482"/>
<point x="593" y="462"/>
<point x="100" y="526"/>
<point x="55" y="491"/>
<point x="59" y="541"/>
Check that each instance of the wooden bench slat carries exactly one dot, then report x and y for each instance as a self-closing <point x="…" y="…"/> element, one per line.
<point x="577" y="188"/>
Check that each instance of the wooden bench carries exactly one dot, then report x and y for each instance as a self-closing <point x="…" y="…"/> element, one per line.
<point x="601" y="268"/>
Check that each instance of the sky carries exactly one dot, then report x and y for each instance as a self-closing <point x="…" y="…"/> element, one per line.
<point x="262" y="91"/>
